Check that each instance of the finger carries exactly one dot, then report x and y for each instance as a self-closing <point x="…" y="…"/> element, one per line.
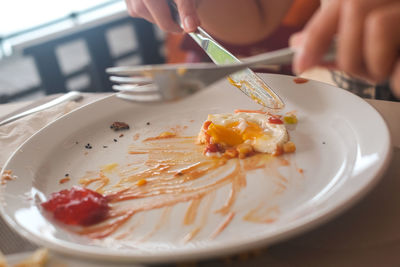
<point x="318" y="36"/>
<point x="160" y="12"/>
<point x="350" y="37"/>
<point x="296" y="39"/>
<point x="382" y="41"/>
<point x="187" y="12"/>
<point x="395" y="80"/>
<point x="139" y="10"/>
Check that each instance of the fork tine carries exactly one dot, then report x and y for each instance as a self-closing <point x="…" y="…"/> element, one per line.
<point x="140" y="98"/>
<point x="134" y="70"/>
<point x="134" y="88"/>
<point x="145" y="70"/>
<point x="131" y="80"/>
<point x="125" y="70"/>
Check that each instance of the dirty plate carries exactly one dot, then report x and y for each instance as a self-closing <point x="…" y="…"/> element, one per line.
<point x="343" y="147"/>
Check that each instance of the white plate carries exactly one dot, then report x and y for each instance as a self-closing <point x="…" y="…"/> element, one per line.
<point x="343" y="146"/>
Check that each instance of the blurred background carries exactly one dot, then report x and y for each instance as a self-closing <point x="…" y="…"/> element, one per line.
<point x="51" y="47"/>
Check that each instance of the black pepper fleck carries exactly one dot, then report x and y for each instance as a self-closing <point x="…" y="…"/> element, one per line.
<point x="105" y="146"/>
<point x="88" y="146"/>
<point x="115" y="140"/>
<point x="67" y="174"/>
<point x="323" y="143"/>
<point x="147" y="123"/>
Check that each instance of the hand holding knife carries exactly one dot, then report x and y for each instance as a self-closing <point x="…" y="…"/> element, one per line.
<point x="246" y="80"/>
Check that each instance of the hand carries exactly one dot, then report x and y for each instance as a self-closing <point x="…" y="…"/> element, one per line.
<point x="157" y="11"/>
<point x="368" y="39"/>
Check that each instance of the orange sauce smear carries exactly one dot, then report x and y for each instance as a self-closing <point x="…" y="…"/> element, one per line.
<point x="7" y="176"/>
<point x="260" y="111"/>
<point x="175" y="171"/>
<point x="64" y="180"/>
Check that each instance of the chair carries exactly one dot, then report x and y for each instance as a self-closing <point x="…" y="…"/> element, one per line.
<point x="96" y="40"/>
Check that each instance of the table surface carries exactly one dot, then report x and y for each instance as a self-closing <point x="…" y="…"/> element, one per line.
<point x="365" y="235"/>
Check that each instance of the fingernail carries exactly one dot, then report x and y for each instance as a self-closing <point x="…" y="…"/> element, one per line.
<point x="189" y="23"/>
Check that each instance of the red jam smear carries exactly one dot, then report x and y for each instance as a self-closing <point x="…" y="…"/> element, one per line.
<point x="213" y="148"/>
<point x="275" y="120"/>
<point x="300" y="80"/>
<point x="78" y="206"/>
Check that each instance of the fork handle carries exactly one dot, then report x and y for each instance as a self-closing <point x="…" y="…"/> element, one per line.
<point x="278" y="57"/>
<point x="283" y="56"/>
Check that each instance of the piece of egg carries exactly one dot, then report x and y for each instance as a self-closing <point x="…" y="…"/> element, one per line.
<point x="230" y="130"/>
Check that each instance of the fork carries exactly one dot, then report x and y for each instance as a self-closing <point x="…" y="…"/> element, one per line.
<point x="168" y="82"/>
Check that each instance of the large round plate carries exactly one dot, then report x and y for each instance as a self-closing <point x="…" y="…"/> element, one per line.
<point x="343" y="147"/>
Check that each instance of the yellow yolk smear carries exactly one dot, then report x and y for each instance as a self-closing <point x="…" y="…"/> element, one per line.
<point x="252" y="131"/>
<point x="109" y="167"/>
<point x="232" y="134"/>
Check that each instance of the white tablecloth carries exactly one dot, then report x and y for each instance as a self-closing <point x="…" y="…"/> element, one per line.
<point x="366" y="235"/>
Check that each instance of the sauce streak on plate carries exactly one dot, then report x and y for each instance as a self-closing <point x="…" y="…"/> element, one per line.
<point x="176" y="171"/>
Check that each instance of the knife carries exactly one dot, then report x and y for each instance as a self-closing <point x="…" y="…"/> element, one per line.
<point x="246" y="80"/>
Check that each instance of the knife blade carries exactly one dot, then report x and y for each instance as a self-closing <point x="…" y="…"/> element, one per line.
<point x="246" y="80"/>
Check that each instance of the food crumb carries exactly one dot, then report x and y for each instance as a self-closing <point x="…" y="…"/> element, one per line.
<point x="7" y="176"/>
<point x="300" y="170"/>
<point x="289" y="147"/>
<point x="290" y="119"/>
<point x="76" y="142"/>
<point x="121" y="135"/>
<point x="119" y="125"/>
<point x="136" y="136"/>
<point x="141" y="182"/>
